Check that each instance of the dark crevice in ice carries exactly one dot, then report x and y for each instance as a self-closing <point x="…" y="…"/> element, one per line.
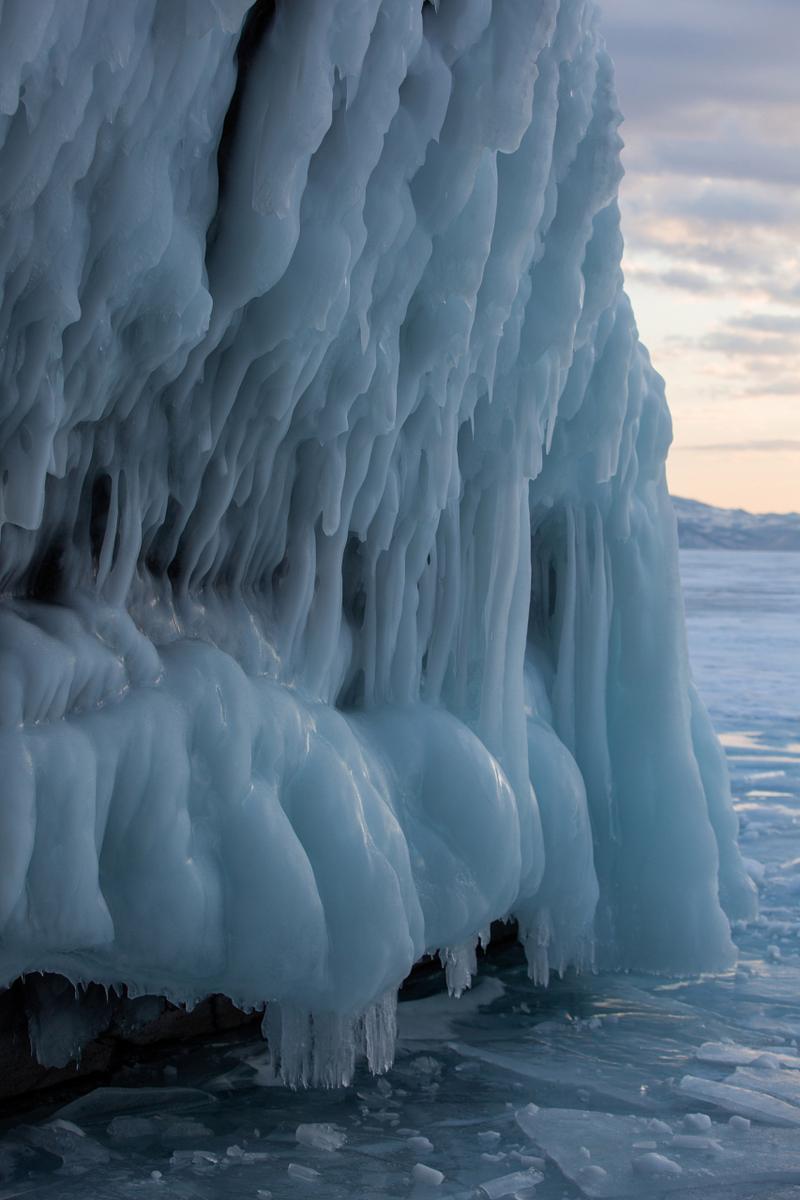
<point x="254" y="29"/>
<point x="134" y="1030"/>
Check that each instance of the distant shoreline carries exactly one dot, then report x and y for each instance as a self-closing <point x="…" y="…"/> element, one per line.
<point x="703" y="527"/>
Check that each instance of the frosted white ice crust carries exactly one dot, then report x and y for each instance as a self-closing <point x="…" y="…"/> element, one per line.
<point x="342" y="611"/>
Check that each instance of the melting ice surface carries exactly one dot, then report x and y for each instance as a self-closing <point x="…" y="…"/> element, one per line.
<point x="603" y="1086"/>
<point x="341" y="604"/>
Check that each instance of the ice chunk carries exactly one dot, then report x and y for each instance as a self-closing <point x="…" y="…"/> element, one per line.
<point x="745" y="1102"/>
<point x="132" y="1127"/>
<point x="420" y="1145"/>
<point x="731" y="1158"/>
<point x="701" y="1122"/>
<point x="727" y="1054"/>
<point x="246" y="1157"/>
<point x="426" y="1176"/>
<point x="201" y="1159"/>
<point x="67" y="1126"/>
<point x="655" y="1165"/>
<point x="301" y="1174"/>
<point x="78" y="1152"/>
<point x="528" y="1160"/>
<point x="783" y="1084"/>
<point x="696" y="1141"/>
<point x="767" y="1061"/>
<point x="320" y="1137"/>
<point x="509" y="1185"/>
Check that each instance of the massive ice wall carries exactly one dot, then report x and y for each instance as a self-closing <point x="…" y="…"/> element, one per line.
<point x="341" y="609"/>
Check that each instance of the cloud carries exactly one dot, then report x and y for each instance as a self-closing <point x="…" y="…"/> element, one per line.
<point x="777" y="323"/>
<point x="673" y="59"/>
<point x="784" y="294"/>
<point x="732" y="257"/>
<point x="683" y="280"/>
<point x="709" y="87"/>
<point x="720" y="203"/>
<point x="734" y="158"/>
<point x="742" y="345"/>
<point x="715" y="210"/>
<point x="775" y="387"/>
<point x="721" y="236"/>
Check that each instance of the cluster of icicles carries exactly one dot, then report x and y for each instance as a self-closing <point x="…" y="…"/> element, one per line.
<point x="341" y="608"/>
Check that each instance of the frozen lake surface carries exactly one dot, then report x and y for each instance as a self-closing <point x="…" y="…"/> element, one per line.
<point x="602" y="1086"/>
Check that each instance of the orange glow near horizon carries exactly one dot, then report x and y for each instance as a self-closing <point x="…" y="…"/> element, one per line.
<point x="757" y="482"/>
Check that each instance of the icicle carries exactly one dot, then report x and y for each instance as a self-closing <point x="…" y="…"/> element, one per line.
<point x="460" y="965"/>
<point x="322" y="1049"/>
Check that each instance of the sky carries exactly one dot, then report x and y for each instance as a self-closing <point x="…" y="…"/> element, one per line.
<point x="710" y="90"/>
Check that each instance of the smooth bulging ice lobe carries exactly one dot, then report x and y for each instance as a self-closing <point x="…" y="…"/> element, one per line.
<point x="341" y="605"/>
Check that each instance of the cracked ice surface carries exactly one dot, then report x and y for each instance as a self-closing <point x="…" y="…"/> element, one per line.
<point x="341" y="605"/>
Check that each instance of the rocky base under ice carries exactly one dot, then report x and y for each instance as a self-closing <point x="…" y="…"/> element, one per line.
<point x="342" y="610"/>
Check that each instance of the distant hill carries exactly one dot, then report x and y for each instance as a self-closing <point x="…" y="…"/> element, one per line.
<point x="702" y="527"/>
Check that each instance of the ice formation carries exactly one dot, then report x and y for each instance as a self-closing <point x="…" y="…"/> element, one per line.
<point x="341" y="609"/>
